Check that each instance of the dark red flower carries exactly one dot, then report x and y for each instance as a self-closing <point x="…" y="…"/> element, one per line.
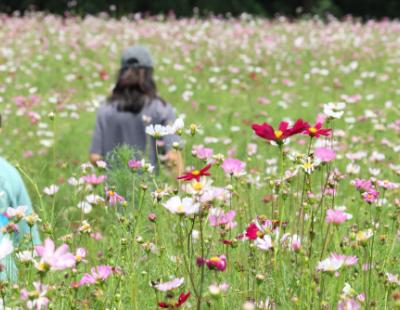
<point x="317" y="131"/>
<point x="266" y="131"/>
<point x="181" y="300"/>
<point x="195" y="174"/>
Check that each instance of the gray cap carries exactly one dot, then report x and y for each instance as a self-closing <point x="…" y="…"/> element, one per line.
<point x="136" y="56"/>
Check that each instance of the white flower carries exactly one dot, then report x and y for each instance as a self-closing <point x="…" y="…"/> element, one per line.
<point x="352" y="168"/>
<point x="94" y="199"/>
<point x="26" y="256"/>
<point x="51" y="190"/>
<point x="85" y="207"/>
<point x="334" y="110"/>
<point x="184" y="206"/>
<point x="158" y="131"/>
<point x="265" y="243"/>
<point x="178" y="125"/>
<point x="6" y="247"/>
<point x="18" y="212"/>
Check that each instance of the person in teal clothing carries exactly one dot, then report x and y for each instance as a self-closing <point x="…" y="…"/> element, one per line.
<point x="13" y="194"/>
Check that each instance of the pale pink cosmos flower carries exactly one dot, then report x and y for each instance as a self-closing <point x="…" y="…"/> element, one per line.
<point x="336" y="216"/>
<point x="80" y="255"/>
<point x="98" y="274"/>
<point x="387" y="184"/>
<point x="134" y="164"/>
<point x="363" y="185"/>
<point x="233" y="166"/>
<point x="324" y="154"/>
<point x="202" y="152"/>
<point x="113" y="197"/>
<point x="56" y="259"/>
<point x="40" y="301"/>
<point x="94" y="179"/>
<point x="348" y="304"/>
<point x="170" y="285"/>
<point x="336" y="261"/>
<point x="218" y="217"/>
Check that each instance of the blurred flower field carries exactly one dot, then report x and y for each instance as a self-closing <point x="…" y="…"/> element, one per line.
<point x="290" y="196"/>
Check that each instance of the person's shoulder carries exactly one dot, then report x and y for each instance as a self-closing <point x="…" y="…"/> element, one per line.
<point x="106" y="108"/>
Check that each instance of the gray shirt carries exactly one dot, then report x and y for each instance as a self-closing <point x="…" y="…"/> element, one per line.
<point x="116" y="128"/>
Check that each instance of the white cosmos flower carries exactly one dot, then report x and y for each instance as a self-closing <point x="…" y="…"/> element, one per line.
<point x="94" y="199"/>
<point x="264" y="243"/>
<point x="178" y="125"/>
<point x="158" y="131"/>
<point x="18" y="212"/>
<point x="334" y="110"/>
<point x="6" y="247"/>
<point x="170" y="285"/>
<point x="26" y="256"/>
<point x="51" y="190"/>
<point x="182" y="206"/>
<point x="85" y="207"/>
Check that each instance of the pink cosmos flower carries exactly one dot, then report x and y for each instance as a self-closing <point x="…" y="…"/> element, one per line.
<point x="348" y="304"/>
<point x="335" y="261"/>
<point x="80" y="255"/>
<point x="202" y="152"/>
<point x="370" y="196"/>
<point x="387" y="184"/>
<point x="170" y="285"/>
<point x="98" y="274"/>
<point x="94" y="179"/>
<point x="363" y="185"/>
<point x="233" y="166"/>
<point x="325" y="154"/>
<point x="214" y="263"/>
<point x="134" y="164"/>
<point x="113" y="197"/>
<point x="336" y="216"/>
<point x="220" y="218"/>
<point x="55" y="259"/>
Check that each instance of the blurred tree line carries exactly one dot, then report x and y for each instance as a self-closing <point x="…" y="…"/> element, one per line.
<point x="294" y="8"/>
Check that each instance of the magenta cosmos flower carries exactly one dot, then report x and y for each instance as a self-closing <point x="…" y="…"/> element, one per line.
<point x="55" y="259"/>
<point x="214" y="263"/>
<point x="233" y="166"/>
<point x="325" y="154"/>
<point x="370" y="196"/>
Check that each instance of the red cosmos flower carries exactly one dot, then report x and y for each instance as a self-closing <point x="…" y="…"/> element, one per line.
<point x="267" y="132"/>
<point x="195" y="174"/>
<point x="317" y="131"/>
<point x="181" y="300"/>
<point x="253" y="232"/>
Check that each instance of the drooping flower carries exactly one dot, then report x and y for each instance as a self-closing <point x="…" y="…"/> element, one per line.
<point x="316" y="131"/>
<point x="325" y="154"/>
<point x="182" y="206"/>
<point x="172" y="304"/>
<point x="195" y="174"/>
<point x="113" y="197"/>
<point x="233" y="166"/>
<point x="266" y="131"/>
<point x="170" y="285"/>
<point x="52" y="258"/>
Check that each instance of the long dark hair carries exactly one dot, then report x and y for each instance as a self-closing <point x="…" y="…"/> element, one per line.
<point x="135" y="87"/>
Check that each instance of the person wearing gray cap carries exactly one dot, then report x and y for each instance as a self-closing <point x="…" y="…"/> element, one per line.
<point x="133" y="105"/>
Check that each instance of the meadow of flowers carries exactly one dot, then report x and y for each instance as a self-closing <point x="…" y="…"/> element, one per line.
<point x="290" y="196"/>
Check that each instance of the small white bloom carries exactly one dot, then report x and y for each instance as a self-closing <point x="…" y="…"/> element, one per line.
<point x="182" y="206"/>
<point x="51" y="190"/>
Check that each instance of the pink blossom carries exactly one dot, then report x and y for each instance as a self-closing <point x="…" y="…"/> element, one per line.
<point x="348" y="304"/>
<point x="56" y="259"/>
<point x="214" y="263"/>
<point x="98" y="274"/>
<point x="325" y="154"/>
<point x="370" y="196"/>
<point x="222" y="219"/>
<point x="94" y="179"/>
<point x="113" y="197"/>
<point x="170" y="285"/>
<point x="134" y="164"/>
<point x="233" y="166"/>
<point x="40" y="300"/>
<point x="336" y="216"/>
<point x="363" y="185"/>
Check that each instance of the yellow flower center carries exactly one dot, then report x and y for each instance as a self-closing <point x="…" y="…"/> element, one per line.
<point x="111" y="193"/>
<point x="312" y="130"/>
<point x="78" y="258"/>
<point x="307" y="165"/>
<point x="215" y="259"/>
<point x="196" y="172"/>
<point x="42" y="266"/>
<point x="197" y="186"/>
<point x="278" y="134"/>
<point x="180" y="209"/>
